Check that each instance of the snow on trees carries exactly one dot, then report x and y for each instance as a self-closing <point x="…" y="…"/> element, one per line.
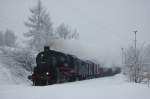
<point x="136" y="66"/>
<point x="146" y="63"/>
<point x="41" y="31"/>
<point x="18" y="61"/>
<point x="40" y="28"/>
<point x="133" y="64"/>
<point x="19" y="57"/>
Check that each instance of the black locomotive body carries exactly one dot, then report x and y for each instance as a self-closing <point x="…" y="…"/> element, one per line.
<point x="56" y="67"/>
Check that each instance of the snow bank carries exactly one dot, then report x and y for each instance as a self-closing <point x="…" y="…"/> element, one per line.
<point x="9" y="76"/>
<point x="102" y="88"/>
<point x="5" y="76"/>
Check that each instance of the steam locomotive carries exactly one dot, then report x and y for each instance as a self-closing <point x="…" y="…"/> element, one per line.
<point x="57" y="67"/>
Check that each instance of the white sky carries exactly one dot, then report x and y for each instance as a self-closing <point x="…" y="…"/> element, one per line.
<point x="105" y="26"/>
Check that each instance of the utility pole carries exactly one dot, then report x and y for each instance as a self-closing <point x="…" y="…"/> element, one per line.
<point x="122" y="56"/>
<point x="125" y="57"/>
<point x="135" y="64"/>
<point x="135" y="45"/>
<point x="135" y="41"/>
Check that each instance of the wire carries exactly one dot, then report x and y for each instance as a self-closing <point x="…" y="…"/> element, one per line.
<point x="93" y="21"/>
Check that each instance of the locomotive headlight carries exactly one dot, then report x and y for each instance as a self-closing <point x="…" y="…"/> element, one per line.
<point x="66" y="65"/>
<point x="47" y="73"/>
<point x="72" y="71"/>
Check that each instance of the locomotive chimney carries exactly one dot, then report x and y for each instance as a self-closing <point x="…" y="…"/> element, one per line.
<point x="46" y="48"/>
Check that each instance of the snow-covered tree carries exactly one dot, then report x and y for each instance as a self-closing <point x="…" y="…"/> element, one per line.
<point x="134" y="64"/>
<point x="22" y="58"/>
<point x="18" y="61"/>
<point x="9" y="38"/>
<point x="25" y="59"/>
<point x="146" y="63"/>
<point x="1" y="38"/>
<point x="40" y="28"/>
<point x="63" y="31"/>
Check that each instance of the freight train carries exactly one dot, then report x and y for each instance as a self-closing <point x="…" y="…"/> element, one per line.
<point x="56" y="67"/>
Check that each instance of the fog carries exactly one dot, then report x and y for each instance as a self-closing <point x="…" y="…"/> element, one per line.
<point x="104" y="26"/>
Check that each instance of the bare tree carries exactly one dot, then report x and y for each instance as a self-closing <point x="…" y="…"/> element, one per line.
<point x="65" y="32"/>
<point x="1" y="38"/>
<point x="40" y="28"/>
<point x="9" y="38"/>
<point x="146" y="64"/>
<point x="134" y="62"/>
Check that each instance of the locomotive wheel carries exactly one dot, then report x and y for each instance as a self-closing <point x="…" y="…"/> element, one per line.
<point x="77" y="78"/>
<point x="39" y="82"/>
<point x="72" y="78"/>
<point x="52" y="81"/>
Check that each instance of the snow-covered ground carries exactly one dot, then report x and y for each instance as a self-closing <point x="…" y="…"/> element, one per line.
<point x="115" y="87"/>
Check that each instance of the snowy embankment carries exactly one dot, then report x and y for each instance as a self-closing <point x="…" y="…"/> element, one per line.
<point x="9" y="76"/>
<point x="114" y="87"/>
<point x="11" y="71"/>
